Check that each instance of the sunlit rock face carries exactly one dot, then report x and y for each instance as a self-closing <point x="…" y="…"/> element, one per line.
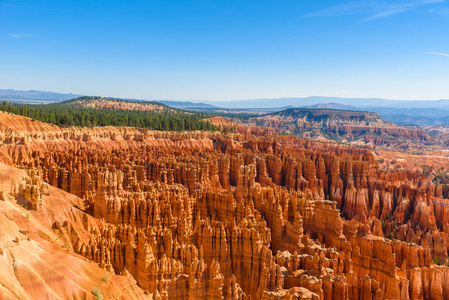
<point x="356" y="127"/>
<point x="199" y="215"/>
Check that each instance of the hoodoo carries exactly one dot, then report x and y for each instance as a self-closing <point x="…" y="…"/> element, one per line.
<point x="209" y="215"/>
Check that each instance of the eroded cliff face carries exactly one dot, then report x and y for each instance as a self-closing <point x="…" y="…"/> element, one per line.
<point x="37" y="261"/>
<point x="358" y="128"/>
<point x="236" y="216"/>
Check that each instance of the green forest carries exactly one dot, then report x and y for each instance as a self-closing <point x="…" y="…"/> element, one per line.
<point x="67" y="114"/>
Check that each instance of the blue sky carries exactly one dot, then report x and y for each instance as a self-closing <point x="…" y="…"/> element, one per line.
<point x="229" y="49"/>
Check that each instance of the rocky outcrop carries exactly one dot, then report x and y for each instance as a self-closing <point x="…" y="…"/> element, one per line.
<point x="364" y="128"/>
<point x="237" y="216"/>
<point x="38" y="225"/>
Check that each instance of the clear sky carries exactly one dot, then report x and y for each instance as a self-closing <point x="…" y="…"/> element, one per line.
<point x="227" y="49"/>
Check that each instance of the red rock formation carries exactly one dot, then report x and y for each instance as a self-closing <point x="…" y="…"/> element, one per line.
<point x="358" y="127"/>
<point x="208" y="215"/>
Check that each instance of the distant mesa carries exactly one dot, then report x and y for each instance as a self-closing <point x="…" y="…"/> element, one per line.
<point x="343" y="126"/>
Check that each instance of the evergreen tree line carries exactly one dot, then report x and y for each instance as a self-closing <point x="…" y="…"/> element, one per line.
<point x="64" y="114"/>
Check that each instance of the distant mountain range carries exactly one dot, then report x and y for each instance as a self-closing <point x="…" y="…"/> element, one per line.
<point x="420" y="112"/>
<point x="308" y="101"/>
<point x="33" y="96"/>
<point x="187" y="104"/>
<point x="332" y="105"/>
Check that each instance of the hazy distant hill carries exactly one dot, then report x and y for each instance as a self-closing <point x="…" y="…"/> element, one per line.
<point x="333" y="105"/>
<point x="187" y="104"/>
<point x="415" y="116"/>
<point x="417" y="120"/>
<point x="294" y="102"/>
<point x="357" y="102"/>
<point x="33" y="96"/>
